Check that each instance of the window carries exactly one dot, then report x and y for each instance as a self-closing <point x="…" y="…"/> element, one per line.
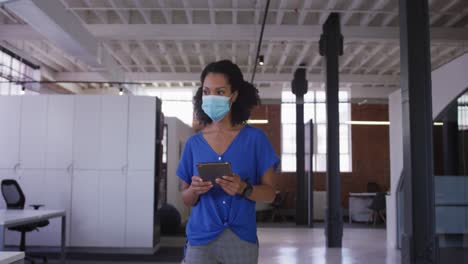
<point x="13" y="69"/>
<point x="176" y="103"/>
<point x="315" y="109"/>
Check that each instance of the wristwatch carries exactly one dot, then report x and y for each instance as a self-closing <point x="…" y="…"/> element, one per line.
<point x="247" y="190"/>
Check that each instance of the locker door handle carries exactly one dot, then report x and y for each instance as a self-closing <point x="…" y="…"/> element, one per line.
<point x="17" y="166"/>
<point x="124" y="169"/>
<point x="70" y="168"/>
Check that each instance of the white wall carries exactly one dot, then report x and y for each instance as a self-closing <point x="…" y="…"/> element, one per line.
<point x="396" y="163"/>
<point x="449" y="81"/>
<point x="178" y="133"/>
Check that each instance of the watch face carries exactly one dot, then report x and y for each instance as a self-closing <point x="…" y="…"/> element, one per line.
<point x="248" y="190"/>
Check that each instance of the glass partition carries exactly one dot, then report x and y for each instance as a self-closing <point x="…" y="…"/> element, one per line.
<point x="451" y="181"/>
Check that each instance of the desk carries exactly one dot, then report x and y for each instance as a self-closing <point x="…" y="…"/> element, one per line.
<point x="358" y="203"/>
<point x="11" y="257"/>
<point x="11" y="218"/>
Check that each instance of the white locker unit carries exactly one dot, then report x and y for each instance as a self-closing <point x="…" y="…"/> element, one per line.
<point x="60" y="121"/>
<point x="140" y="209"/>
<point x="85" y="209"/>
<point x="60" y="181"/>
<point x="33" y="132"/>
<point x="93" y="156"/>
<point x="112" y="209"/>
<point x="114" y="127"/>
<point x="86" y="134"/>
<point x="141" y="138"/>
<point x="10" y="116"/>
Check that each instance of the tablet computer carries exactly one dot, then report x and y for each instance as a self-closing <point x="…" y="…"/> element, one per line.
<point x="209" y="171"/>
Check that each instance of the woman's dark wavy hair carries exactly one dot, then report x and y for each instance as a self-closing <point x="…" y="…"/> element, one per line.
<point x="247" y="97"/>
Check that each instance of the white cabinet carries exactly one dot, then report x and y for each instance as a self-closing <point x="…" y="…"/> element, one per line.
<point x="10" y="113"/>
<point x="85" y="209"/>
<point x="141" y="137"/>
<point x="112" y="209"/>
<point x="33" y="132"/>
<point x="114" y="125"/>
<point x="59" y="143"/>
<point x="58" y="182"/>
<point x="140" y="209"/>
<point x="86" y="143"/>
<point x="32" y="185"/>
<point x="92" y="156"/>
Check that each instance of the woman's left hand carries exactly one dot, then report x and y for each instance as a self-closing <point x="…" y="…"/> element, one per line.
<point x="231" y="184"/>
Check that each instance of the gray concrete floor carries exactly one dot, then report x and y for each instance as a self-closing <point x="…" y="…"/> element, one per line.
<point x="292" y="245"/>
<point x="297" y="245"/>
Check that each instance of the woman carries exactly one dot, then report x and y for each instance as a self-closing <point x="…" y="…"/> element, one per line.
<point x="222" y="226"/>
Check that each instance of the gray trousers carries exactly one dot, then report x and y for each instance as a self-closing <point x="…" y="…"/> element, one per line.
<point x="228" y="248"/>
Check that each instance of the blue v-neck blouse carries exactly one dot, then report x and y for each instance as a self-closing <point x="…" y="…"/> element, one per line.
<point x="251" y="155"/>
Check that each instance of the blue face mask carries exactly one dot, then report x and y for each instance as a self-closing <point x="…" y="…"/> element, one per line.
<point x="215" y="106"/>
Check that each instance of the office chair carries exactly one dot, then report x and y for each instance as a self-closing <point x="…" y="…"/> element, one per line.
<point x="15" y="200"/>
<point x="378" y="207"/>
<point x="278" y="204"/>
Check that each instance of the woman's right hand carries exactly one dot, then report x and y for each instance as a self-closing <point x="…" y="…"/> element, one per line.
<point x="199" y="186"/>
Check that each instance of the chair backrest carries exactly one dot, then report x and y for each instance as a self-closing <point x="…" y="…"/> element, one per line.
<point x="13" y="195"/>
<point x="373" y="187"/>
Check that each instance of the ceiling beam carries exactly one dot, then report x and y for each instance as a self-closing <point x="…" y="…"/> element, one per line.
<point x="116" y="56"/>
<point x="455" y="19"/>
<point x="144" y="13"/>
<point x="123" y="14"/>
<point x="201" y="59"/>
<point x="280" y="13"/>
<point x="445" y="8"/>
<point x="347" y="16"/>
<point x="284" y="57"/>
<point x="125" y="45"/>
<point x="217" y="53"/>
<point x="369" y="56"/>
<point x="303" y="13"/>
<point x="188" y="12"/>
<point x="236" y="33"/>
<point x="166" y="13"/>
<point x="97" y="13"/>
<point x="352" y="56"/>
<point x="233" y="52"/>
<point x="156" y="63"/>
<point x="183" y="55"/>
<point x="250" y="59"/>
<point x="212" y="12"/>
<point x="235" y="5"/>
<point x="384" y="57"/>
<point x="53" y="22"/>
<point x="267" y="56"/>
<point x="377" y="5"/>
<point x="266" y="77"/>
<point x="258" y="6"/>
<point x="302" y="54"/>
<point x="390" y="17"/>
<point x="167" y="55"/>
<point x="330" y="5"/>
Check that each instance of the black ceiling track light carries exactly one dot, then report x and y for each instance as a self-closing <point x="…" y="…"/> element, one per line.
<point x="257" y="57"/>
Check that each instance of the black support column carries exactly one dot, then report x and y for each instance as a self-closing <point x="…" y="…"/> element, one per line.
<point x="331" y="46"/>
<point x="299" y="88"/>
<point x="450" y="141"/>
<point x="419" y="241"/>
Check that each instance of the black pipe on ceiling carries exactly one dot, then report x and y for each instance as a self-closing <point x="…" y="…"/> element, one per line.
<point x="260" y="40"/>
